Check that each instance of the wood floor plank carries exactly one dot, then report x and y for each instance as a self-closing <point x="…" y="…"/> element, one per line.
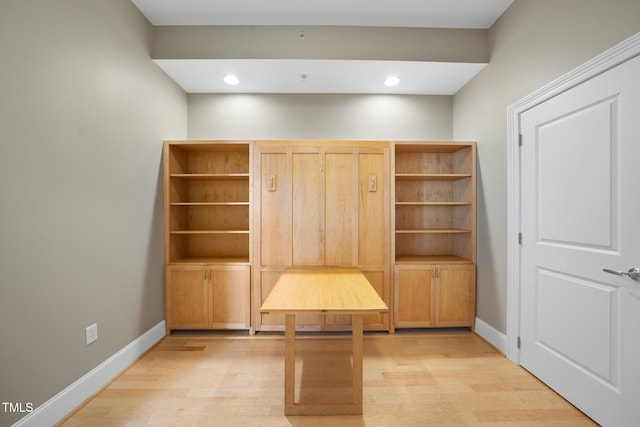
<point x="410" y="379"/>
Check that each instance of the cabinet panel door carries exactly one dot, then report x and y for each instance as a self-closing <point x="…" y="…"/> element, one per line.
<point x="268" y="280"/>
<point x="377" y="320"/>
<point x="372" y="208"/>
<point x="275" y="209"/>
<point x="455" y="295"/>
<point x="188" y="297"/>
<point x="230" y="297"/>
<point x="340" y="209"/>
<point x="413" y="298"/>
<point x="308" y="210"/>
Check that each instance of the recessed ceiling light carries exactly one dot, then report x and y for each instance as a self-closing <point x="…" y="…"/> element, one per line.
<point x="391" y="81"/>
<point x="230" y="79"/>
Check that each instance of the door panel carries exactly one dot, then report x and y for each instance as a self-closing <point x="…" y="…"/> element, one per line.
<point x="340" y="209"/>
<point x="189" y="297"/>
<point x="595" y="352"/>
<point x="580" y="213"/>
<point x="230" y="297"/>
<point x="455" y="295"/>
<point x="308" y="198"/>
<point x="579" y="208"/>
<point x="275" y="209"/>
<point x="372" y="209"/>
<point x="413" y="296"/>
<point x="377" y="280"/>
<point x="267" y="281"/>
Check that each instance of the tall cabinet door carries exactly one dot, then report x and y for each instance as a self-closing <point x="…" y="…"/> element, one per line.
<point x="274" y="209"/>
<point x="373" y="223"/>
<point x="372" y="209"/>
<point x="308" y="213"/>
<point x="341" y="208"/>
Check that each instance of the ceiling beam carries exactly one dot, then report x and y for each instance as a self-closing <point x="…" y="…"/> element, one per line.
<point x="321" y="42"/>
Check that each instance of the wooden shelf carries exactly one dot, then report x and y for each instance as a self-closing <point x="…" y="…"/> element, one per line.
<point x="212" y="176"/>
<point x="211" y="260"/>
<point x="434" y="231"/>
<point x="432" y="147"/>
<point x="432" y="259"/>
<point x="209" y="204"/>
<point x="431" y="176"/>
<point x="207" y="195"/>
<point x="210" y="232"/>
<point x="434" y="204"/>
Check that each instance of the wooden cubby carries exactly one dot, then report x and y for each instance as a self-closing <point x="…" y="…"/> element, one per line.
<point x="434" y="202"/>
<point x="207" y="210"/>
<point x="208" y="205"/>
<point x="434" y="232"/>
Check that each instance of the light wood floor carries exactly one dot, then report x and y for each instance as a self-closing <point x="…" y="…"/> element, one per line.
<point x="410" y="379"/>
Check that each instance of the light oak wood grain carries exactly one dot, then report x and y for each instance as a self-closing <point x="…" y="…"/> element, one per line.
<point x="322" y="212"/>
<point x="410" y="380"/>
<point x="323" y="290"/>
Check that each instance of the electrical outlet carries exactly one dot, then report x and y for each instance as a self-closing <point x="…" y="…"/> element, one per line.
<point x="91" y="333"/>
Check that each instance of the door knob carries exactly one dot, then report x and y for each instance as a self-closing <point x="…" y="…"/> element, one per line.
<point x="633" y="273"/>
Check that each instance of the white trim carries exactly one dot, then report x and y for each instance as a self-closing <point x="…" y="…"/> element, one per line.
<point x="60" y="405"/>
<point x="605" y="61"/>
<point x="491" y="335"/>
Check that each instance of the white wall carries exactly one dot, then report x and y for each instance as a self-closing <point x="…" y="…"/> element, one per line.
<point x="533" y="43"/>
<point x="83" y="112"/>
<point x="272" y="116"/>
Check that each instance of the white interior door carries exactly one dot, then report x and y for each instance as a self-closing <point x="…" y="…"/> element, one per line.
<point x="580" y="213"/>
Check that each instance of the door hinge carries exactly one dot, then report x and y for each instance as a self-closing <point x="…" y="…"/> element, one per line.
<point x="518" y="342"/>
<point x="519" y="238"/>
<point x="520" y="140"/>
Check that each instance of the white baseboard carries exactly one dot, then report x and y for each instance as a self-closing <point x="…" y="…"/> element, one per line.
<point x="492" y="335"/>
<point x="60" y="405"/>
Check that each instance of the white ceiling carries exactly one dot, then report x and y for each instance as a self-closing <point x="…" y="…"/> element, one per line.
<point x="324" y="76"/>
<point x="374" y="13"/>
<point x="320" y="76"/>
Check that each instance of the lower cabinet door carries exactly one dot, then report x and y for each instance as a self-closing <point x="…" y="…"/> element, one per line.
<point x="414" y="302"/>
<point x="187" y="297"/>
<point x="455" y="295"/>
<point x="230" y="297"/>
<point x="208" y="297"/>
<point x="434" y="295"/>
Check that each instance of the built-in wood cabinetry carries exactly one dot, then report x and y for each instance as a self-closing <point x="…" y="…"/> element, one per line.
<point x="434" y="234"/>
<point x="207" y="234"/>
<point x="321" y="204"/>
<point x="208" y="296"/>
<point x="434" y="295"/>
<point x="237" y="213"/>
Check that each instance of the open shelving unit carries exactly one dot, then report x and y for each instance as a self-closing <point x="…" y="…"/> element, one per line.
<point x="434" y="234"/>
<point x="207" y="235"/>
<point x="209" y="205"/>
<point x="434" y="202"/>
